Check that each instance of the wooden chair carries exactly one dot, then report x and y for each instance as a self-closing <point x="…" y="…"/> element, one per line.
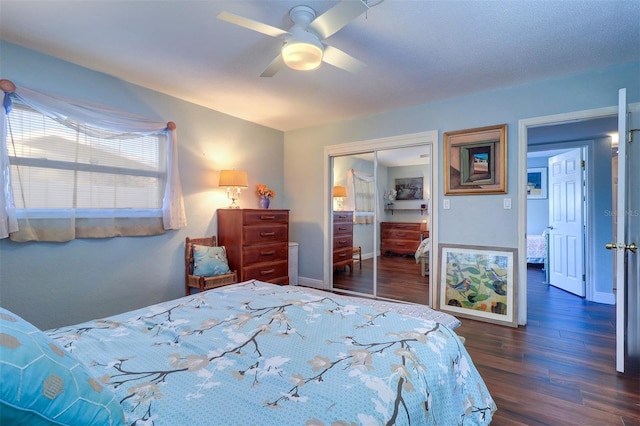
<point x="357" y="251"/>
<point x="203" y="283"/>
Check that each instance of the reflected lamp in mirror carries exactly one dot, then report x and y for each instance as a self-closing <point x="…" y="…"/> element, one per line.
<point x="339" y="194"/>
<point x="234" y="181"/>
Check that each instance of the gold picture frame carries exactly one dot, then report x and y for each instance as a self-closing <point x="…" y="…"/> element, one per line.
<point x="475" y="161"/>
<point x="479" y="283"/>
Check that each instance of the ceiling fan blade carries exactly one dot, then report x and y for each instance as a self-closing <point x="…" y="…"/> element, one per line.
<point x="251" y="24"/>
<point x="334" y="19"/>
<point x="276" y="65"/>
<point x="338" y="58"/>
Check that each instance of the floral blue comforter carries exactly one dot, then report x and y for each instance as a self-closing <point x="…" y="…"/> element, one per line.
<point x="260" y="354"/>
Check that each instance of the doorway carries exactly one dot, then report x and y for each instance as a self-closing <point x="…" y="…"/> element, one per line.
<point x="544" y="136"/>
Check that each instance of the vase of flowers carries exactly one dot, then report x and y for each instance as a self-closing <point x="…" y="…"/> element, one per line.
<point x="390" y="197"/>
<point x="265" y="195"/>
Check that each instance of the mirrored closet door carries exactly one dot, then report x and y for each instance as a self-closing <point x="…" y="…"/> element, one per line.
<point x="353" y="217"/>
<point x="379" y="218"/>
<point x="403" y="180"/>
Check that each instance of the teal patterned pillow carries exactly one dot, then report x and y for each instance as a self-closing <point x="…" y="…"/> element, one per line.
<point x="209" y="261"/>
<point x="42" y="384"/>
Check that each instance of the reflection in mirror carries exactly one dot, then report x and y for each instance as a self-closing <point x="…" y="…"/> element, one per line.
<point x="353" y="219"/>
<point x="403" y="178"/>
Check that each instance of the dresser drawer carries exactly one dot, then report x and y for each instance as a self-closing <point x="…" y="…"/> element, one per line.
<point x="276" y="232"/>
<point x="262" y="217"/>
<point x="343" y="241"/>
<point x="401" y="234"/>
<point x="343" y="217"/>
<point x="342" y="228"/>
<point x="342" y="256"/>
<point x="407" y="226"/>
<point x="399" y="246"/>
<point x="265" y="253"/>
<point x="267" y="271"/>
<point x="401" y="237"/>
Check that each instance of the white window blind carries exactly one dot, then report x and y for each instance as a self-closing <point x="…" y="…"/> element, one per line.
<point x="75" y="166"/>
<point x="71" y="169"/>
<point x="361" y="196"/>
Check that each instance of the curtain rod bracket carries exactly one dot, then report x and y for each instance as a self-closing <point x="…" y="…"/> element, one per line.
<point x="7" y="86"/>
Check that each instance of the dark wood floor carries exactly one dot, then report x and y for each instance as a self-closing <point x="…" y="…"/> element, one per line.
<point x="559" y="369"/>
<point x="398" y="278"/>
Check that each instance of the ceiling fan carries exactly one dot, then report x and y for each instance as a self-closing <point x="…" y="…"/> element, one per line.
<point x="303" y="46"/>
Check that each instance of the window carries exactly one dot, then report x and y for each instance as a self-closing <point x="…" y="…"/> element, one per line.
<point x="56" y="167"/>
<point x="69" y="169"/>
<point x="363" y="196"/>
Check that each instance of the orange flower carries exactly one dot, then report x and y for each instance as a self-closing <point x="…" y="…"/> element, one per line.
<point x="265" y="191"/>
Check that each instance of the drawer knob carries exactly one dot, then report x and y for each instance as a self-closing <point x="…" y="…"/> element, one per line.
<point x="265" y="217"/>
<point x="267" y="271"/>
<point x="267" y="234"/>
<point x="267" y="253"/>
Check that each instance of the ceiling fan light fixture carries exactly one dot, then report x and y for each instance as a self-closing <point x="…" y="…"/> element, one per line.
<point x="302" y="55"/>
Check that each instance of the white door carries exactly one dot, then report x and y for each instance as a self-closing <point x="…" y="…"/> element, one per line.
<point x="566" y="222"/>
<point x="627" y="237"/>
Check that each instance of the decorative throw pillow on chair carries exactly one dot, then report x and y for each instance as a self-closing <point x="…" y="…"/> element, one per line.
<point x="210" y="261"/>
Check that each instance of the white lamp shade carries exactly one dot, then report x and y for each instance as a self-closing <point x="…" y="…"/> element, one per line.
<point x="339" y="192"/>
<point x="233" y="179"/>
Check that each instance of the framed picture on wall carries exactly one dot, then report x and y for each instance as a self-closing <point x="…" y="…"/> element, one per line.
<point x="537" y="183"/>
<point x="409" y="188"/>
<point x="475" y="161"/>
<point x="478" y="283"/>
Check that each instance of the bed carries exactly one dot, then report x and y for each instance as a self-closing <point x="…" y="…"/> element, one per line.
<point x="262" y="354"/>
<point x="536" y="248"/>
<point x="422" y="256"/>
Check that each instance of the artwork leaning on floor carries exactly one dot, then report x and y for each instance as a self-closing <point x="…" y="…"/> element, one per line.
<point x="478" y="283"/>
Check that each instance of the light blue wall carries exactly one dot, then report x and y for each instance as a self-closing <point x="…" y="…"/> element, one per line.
<point x="57" y="284"/>
<point x="537" y="209"/>
<point x="472" y="220"/>
<point x="394" y="173"/>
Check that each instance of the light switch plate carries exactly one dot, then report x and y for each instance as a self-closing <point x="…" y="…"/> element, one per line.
<point x="445" y="204"/>
<point x="507" y="203"/>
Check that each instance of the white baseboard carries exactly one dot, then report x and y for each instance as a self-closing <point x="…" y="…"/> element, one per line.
<point x="606" y="298"/>
<point x="311" y="282"/>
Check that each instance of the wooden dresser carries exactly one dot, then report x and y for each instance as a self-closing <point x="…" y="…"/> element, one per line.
<point x="342" y="239"/>
<point x="401" y="237"/>
<point x="257" y="243"/>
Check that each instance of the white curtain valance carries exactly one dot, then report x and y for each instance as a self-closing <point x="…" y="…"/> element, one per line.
<point x="75" y="114"/>
<point x="360" y="196"/>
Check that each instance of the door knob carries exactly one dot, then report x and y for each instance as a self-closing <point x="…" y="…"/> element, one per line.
<point x="631" y="247"/>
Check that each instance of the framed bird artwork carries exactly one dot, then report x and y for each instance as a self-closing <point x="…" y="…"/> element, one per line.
<point x="478" y="282"/>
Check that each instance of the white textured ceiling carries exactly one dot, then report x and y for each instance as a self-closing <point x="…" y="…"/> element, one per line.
<point x="416" y="51"/>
